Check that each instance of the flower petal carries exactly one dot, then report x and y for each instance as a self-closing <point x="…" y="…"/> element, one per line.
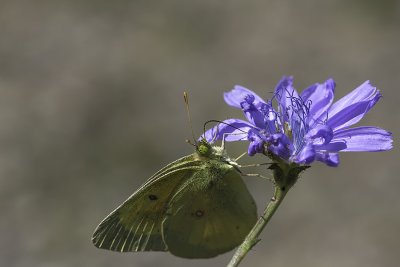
<point x="280" y="145"/>
<point x="324" y="134"/>
<point x="330" y="159"/>
<point x="252" y="113"/>
<point x="351" y="114"/>
<point x="256" y="143"/>
<point x="238" y="94"/>
<point x="352" y="107"/>
<point x="320" y="97"/>
<point x="364" y="139"/>
<point x="233" y="129"/>
<point x="306" y="155"/>
<point x="334" y="146"/>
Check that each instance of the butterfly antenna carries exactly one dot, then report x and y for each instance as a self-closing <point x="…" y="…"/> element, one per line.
<point x="222" y="122"/>
<point x="224" y="135"/>
<point x="186" y="99"/>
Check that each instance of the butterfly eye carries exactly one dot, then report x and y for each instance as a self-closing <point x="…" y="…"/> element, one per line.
<point x="204" y="149"/>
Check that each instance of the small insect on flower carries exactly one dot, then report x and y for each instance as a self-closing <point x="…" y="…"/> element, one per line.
<point x="301" y="128"/>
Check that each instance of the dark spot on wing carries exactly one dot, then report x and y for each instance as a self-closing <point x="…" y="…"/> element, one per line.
<point x="198" y="213"/>
<point x="153" y="197"/>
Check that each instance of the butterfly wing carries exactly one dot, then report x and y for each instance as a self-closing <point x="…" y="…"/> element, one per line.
<point x="209" y="219"/>
<point x="136" y="224"/>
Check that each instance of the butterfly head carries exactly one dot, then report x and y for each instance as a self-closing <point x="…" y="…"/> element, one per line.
<point x="203" y="148"/>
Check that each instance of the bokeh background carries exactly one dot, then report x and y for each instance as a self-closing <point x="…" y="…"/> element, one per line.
<point x="91" y="105"/>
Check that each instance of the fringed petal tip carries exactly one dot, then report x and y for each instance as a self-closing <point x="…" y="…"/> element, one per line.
<point x="365" y="138"/>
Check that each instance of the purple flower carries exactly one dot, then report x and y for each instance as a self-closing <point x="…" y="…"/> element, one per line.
<point x="306" y="127"/>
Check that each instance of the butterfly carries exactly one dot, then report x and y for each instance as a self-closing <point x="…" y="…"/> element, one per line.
<point x="195" y="207"/>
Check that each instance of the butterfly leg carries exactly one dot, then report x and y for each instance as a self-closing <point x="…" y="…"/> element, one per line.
<point x="223" y="141"/>
<point x="255" y="165"/>
<point x="226" y="134"/>
<point x="271" y="179"/>
<point x="241" y="156"/>
<point x="215" y="136"/>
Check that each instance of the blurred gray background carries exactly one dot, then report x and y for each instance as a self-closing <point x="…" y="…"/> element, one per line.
<point x="91" y="105"/>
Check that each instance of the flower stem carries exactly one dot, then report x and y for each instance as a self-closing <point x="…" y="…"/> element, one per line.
<point x="252" y="238"/>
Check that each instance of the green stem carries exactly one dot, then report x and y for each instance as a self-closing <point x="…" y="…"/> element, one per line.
<point x="252" y="238"/>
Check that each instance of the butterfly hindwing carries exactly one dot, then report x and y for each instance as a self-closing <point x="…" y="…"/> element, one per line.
<point x="136" y="224"/>
<point x="209" y="216"/>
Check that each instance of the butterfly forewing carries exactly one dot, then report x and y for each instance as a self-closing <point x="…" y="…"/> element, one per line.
<point x="184" y="162"/>
<point x="136" y="224"/>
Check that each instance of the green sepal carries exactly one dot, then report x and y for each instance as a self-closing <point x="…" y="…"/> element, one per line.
<point x="286" y="174"/>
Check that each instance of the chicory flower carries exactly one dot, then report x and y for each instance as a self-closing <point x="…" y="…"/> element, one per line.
<point x="302" y="128"/>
